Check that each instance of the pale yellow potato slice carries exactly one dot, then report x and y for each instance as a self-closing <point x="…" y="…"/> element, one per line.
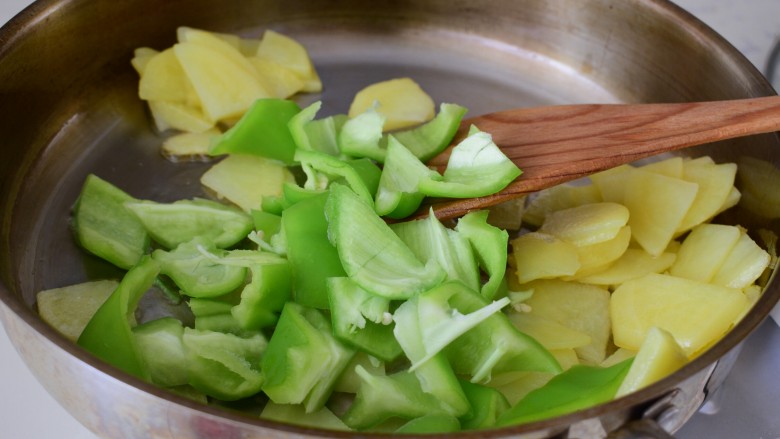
<point x="634" y="263"/>
<point x="562" y="196"/>
<point x="226" y="88"/>
<point x="658" y="357"/>
<point x="548" y="332"/>
<point x="657" y="204"/>
<point x="141" y="57"/>
<point x="582" y="307"/>
<point x="281" y="81"/>
<point x="597" y="257"/>
<point x="671" y="167"/>
<point x="716" y="182"/>
<point x="401" y="101"/>
<point x="542" y="256"/>
<point x="610" y="183"/>
<point x="587" y="224"/>
<point x="744" y="264"/>
<point x="620" y="354"/>
<point x="179" y="116"/>
<point x="245" y="179"/>
<point x="291" y="54"/>
<point x="695" y="313"/>
<point x="227" y="45"/>
<point x="704" y="251"/>
<point x="189" y="146"/>
<point x="507" y="215"/>
<point x="69" y="309"/>
<point x="165" y="80"/>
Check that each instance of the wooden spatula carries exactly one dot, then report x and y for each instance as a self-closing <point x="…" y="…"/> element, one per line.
<point x="555" y="144"/>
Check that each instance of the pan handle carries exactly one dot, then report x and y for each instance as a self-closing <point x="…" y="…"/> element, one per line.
<point x="645" y="428"/>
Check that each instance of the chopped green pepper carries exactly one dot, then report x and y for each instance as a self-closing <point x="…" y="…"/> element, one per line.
<point x="316" y="135"/>
<point x="322" y="167"/>
<point x="362" y="319"/>
<point x="296" y="414"/>
<point x="577" y="388"/>
<point x="371" y="254"/>
<point x="192" y="267"/>
<point x="262" y="131"/>
<point x="487" y="404"/>
<point x="361" y="136"/>
<point x="108" y="335"/>
<point x="264" y="296"/>
<point x="398" y="193"/>
<point x="171" y="224"/>
<point x="436" y="423"/>
<point x="224" y="366"/>
<point x="489" y="244"/>
<point x="476" y="168"/>
<point x="434" y="136"/>
<point x="313" y="259"/>
<point x="303" y="360"/>
<point x="105" y="228"/>
<point x="160" y="344"/>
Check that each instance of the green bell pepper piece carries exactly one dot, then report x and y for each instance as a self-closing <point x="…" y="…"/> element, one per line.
<point x="494" y="345"/>
<point x="431" y="241"/>
<point x="105" y="228"/>
<point x="489" y="244"/>
<point x="293" y="193"/>
<point x="382" y="397"/>
<point x="487" y="405"/>
<point x="313" y="259"/>
<point x="108" y="334"/>
<point x="577" y="388"/>
<point x="316" y="134"/>
<point x="208" y="307"/>
<point x="264" y="297"/>
<point x="303" y="359"/>
<point x="434" y="136"/>
<point x="296" y="414"/>
<point x="368" y="171"/>
<point x="224" y="366"/>
<point x="160" y="344"/>
<point x="262" y="131"/>
<point x="171" y="224"/>
<point x="476" y="168"/>
<point x="371" y="253"/>
<point x="361" y="319"/>
<point x="198" y="274"/>
<point x="361" y="136"/>
<point x="266" y="223"/>
<point x="398" y="193"/>
<point x="437" y="423"/>
<point x="324" y="168"/>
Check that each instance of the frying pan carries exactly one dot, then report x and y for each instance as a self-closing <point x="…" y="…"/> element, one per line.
<point x="69" y="107"/>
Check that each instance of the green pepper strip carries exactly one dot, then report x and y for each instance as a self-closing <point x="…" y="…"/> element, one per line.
<point x="489" y="244"/>
<point x="108" y="335"/>
<point x="434" y="136"/>
<point x="262" y="131"/>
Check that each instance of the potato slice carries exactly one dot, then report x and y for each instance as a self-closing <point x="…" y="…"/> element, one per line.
<point x="704" y="251"/>
<point x="291" y="54"/>
<point x="225" y="87"/>
<point x="542" y="256"/>
<point x="715" y="181"/>
<point x="610" y="183"/>
<point x="551" y="334"/>
<point x="189" y="146"/>
<point x="69" y="309"/>
<point x="562" y="196"/>
<point x="401" y="101"/>
<point x="281" y="81"/>
<point x="744" y="264"/>
<point x="695" y="313"/>
<point x="658" y="205"/>
<point x="632" y="264"/>
<point x="141" y="57"/>
<point x="164" y="79"/>
<point x="597" y="257"/>
<point x="179" y="116"/>
<point x="671" y="167"/>
<point x="658" y="357"/>
<point x="584" y="308"/>
<point x="620" y="354"/>
<point x="245" y="179"/>
<point x="587" y="224"/>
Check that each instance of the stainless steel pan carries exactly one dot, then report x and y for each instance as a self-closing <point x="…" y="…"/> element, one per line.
<point x="68" y="107"/>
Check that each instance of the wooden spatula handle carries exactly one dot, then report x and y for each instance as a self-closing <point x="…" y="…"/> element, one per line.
<point x="556" y="144"/>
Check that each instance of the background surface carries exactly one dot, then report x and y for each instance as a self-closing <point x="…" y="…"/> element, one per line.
<point x="749" y="403"/>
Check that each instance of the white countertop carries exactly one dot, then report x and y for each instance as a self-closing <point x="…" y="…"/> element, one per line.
<point x="27" y="411"/>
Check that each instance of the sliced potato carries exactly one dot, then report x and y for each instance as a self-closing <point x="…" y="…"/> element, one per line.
<point x="548" y="332"/>
<point x="704" y="251"/>
<point x="245" y="179"/>
<point x="632" y="264"/>
<point x="658" y="357"/>
<point x="541" y="256"/>
<point x="695" y="313"/>
<point x="671" y="167"/>
<point x="179" y="116"/>
<point x="401" y="101"/>
<point x="281" y="81"/>
<point x="715" y="181"/>
<point x="562" y="196"/>
<point x="587" y="224"/>
<point x="291" y="54"/>
<point x="597" y="257"/>
<point x="744" y="264"/>
<point x="164" y="79"/>
<point x="658" y="205"/>
<point x="69" y="309"/>
<point x="141" y="57"/>
<point x="189" y="146"/>
<point x="584" y="308"/>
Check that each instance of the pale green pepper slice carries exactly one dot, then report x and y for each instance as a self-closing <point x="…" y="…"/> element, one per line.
<point x="489" y="244"/>
<point x="434" y="136"/>
<point x="361" y="136"/>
